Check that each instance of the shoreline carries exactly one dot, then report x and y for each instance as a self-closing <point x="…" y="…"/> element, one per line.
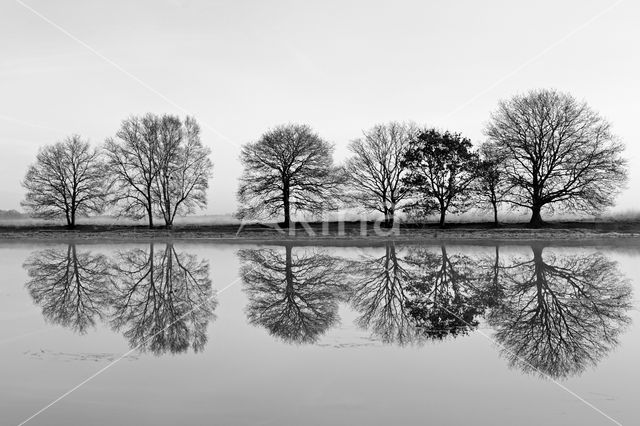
<point x="352" y="233"/>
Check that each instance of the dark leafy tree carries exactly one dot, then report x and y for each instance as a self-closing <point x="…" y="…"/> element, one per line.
<point x="158" y="166"/>
<point x="559" y="153"/>
<point x="560" y="313"/>
<point x="443" y="298"/>
<point x="66" y="181"/>
<point x="294" y="297"/>
<point x="289" y="169"/>
<point x="374" y="172"/>
<point x="163" y="300"/>
<point x="424" y="296"/>
<point x="70" y="286"/>
<point x="440" y="169"/>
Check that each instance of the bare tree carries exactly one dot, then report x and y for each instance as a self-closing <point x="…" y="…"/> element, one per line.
<point x="295" y="297"/>
<point x="65" y="181"/>
<point x="289" y="169"/>
<point x="490" y="186"/>
<point x="70" y="285"/>
<point x="374" y="172"/>
<point x="440" y="169"/>
<point x="184" y="169"/>
<point x="379" y="296"/>
<point x="560" y="314"/>
<point x="559" y="153"/>
<point x="159" y="167"/>
<point x="163" y="300"/>
<point x="132" y="161"/>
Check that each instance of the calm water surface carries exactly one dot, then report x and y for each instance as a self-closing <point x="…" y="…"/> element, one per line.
<point x="277" y="335"/>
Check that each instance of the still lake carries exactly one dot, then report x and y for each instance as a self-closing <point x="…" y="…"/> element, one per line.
<point x="201" y="333"/>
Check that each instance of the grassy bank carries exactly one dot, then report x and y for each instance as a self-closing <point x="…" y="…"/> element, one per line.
<point x="348" y="231"/>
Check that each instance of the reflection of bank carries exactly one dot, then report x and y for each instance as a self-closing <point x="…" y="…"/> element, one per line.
<point x="292" y="293"/>
<point x="161" y="299"/>
<point x="560" y="313"/>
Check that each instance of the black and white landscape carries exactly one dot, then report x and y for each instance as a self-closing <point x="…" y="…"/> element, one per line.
<point x="280" y="212"/>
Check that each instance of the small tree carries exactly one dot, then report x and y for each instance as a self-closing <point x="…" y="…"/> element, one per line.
<point x="440" y="170"/>
<point x="374" y="172"/>
<point x="558" y="153"/>
<point x="289" y="169"/>
<point x="65" y="181"/>
<point x="490" y="186"/>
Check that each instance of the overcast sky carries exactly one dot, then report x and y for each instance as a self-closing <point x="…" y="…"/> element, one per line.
<point x="241" y="67"/>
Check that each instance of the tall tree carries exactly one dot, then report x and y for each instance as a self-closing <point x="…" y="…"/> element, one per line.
<point x="490" y="186"/>
<point x="289" y="169"/>
<point x="184" y="169"/>
<point x="132" y="161"/>
<point x="159" y="166"/>
<point x="375" y="170"/>
<point x="65" y="181"/>
<point x="559" y="153"/>
<point x="440" y="169"/>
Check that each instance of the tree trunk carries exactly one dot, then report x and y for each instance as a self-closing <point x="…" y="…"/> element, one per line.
<point x="68" y="217"/>
<point x="288" y="270"/>
<point x="495" y="214"/>
<point x="539" y="273"/>
<point x="389" y="218"/>
<point x="536" y="218"/>
<point x="150" y="215"/>
<point x="443" y="213"/>
<point x="287" y="209"/>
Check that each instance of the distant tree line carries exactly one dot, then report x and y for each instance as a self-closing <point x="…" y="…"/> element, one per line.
<point x="544" y="151"/>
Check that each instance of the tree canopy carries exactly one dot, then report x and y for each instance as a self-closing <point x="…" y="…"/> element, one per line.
<point x="374" y="172"/>
<point x="558" y="153"/>
<point x="66" y="180"/>
<point x="289" y="169"/>
<point x="158" y="167"/>
<point x="440" y="169"/>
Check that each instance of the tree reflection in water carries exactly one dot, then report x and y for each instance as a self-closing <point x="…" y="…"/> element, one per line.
<point x="560" y="313"/>
<point x="71" y="286"/>
<point x="378" y="294"/>
<point x="424" y="295"/>
<point x="162" y="299"/>
<point x="443" y="298"/>
<point x="295" y="297"/>
<point x="554" y="314"/>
